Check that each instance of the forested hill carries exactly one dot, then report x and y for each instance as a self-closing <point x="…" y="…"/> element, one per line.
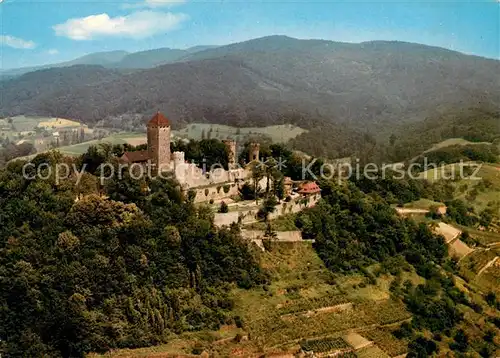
<point x="270" y="80"/>
<point x="146" y="266"/>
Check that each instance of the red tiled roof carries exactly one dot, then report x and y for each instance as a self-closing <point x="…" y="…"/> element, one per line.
<point x="159" y="120"/>
<point x="135" y="157"/>
<point x="309" y="188"/>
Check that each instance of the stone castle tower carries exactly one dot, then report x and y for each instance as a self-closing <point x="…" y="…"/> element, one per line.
<point x="253" y="152"/>
<point x="231" y="147"/>
<point x="159" y="142"/>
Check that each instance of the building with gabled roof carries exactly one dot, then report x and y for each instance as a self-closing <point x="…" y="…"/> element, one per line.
<point x="140" y="156"/>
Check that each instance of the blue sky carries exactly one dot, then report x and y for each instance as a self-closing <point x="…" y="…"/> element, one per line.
<point x="34" y="32"/>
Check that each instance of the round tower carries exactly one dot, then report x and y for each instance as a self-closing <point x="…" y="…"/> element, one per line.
<point x="159" y="142"/>
<point x="253" y="152"/>
<point x="178" y="159"/>
<point x="231" y="150"/>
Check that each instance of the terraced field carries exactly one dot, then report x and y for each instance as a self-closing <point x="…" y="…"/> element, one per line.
<point x="299" y="309"/>
<point x="278" y="318"/>
<point x="386" y="341"/>
<point x="485" y="238"/>
<point x="372" y="352"/>
<point x="311" y="304"/>
<point x="489" y="279"/>
<point x="472" y="264"/>
<point x="482" y="270"/>
<point x="324" y="345"/>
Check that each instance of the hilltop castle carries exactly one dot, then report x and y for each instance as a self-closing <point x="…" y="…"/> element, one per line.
<point x="218" y="184"/>
<point x="215" y="184"/>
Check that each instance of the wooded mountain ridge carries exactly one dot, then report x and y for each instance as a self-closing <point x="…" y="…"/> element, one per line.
<point x="266" y="81"/>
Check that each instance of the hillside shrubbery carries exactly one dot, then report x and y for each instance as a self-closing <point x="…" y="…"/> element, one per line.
<point x="99" y="274"/>
<point x="353" y="230"/>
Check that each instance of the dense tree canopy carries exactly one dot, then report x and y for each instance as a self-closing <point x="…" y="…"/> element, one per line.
<point x="353" y="230"/>
<point x="97" y="273"/>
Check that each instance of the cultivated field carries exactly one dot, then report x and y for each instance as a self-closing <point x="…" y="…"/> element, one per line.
<point x="57" y="123"/>
<point x="485" y="238"/>
<point x="278" y="133"/>
<point x="22" y="123"/>
<point x="386" y="341"/>
<point x="305" y="306"/>
<point x="472" y="264"/>
<point x="14" y="126"/>
<point x="119" y="138"/>
<point x="489" y="278"/>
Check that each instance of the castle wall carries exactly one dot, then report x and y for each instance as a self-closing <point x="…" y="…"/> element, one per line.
<point x="189" y="175"/>
<point x="249" y="216"/>
<point x="216" y="192"/>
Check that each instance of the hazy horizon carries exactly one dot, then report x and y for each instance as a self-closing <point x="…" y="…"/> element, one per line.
<point x="75" y="28"/>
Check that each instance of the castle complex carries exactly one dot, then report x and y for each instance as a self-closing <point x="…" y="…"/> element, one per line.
<point x="213" y="184"/>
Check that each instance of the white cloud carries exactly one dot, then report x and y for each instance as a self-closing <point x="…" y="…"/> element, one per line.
<point x="136" y="25"/>
<point x="15" y="42"/>
<point x="53" y="51"/>
<point x="153" y="4"/>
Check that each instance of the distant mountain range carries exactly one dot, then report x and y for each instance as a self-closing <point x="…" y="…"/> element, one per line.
<point x="117" y="59"/>
<point x="263" y="81"/>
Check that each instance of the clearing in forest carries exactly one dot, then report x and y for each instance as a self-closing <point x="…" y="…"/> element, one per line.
<point x="447" y="231"/>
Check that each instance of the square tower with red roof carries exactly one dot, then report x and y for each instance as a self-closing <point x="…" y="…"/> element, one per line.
<point x="159" y="142"/>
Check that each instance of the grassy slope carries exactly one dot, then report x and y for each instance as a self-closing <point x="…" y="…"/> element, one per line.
<point x="485" y="238"/>
<point x="422" y="204"/>
<point x="19" y="124"/>
<point x="463" y="187"/>
<point x="452" y="141"/>
<point x="472" y="264"/>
